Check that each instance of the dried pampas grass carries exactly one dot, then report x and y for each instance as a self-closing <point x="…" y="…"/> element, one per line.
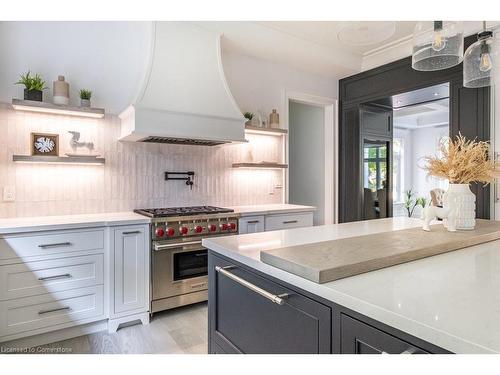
<point x="463" y="161"/>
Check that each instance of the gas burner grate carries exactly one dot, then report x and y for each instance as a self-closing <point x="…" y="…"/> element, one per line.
<point x="182" y="211"/>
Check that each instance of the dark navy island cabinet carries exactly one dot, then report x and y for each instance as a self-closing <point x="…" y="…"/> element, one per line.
<point x="255" y="314"/>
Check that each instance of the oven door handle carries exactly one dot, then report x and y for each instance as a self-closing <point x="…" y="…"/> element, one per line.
<point x="175" y="245"/>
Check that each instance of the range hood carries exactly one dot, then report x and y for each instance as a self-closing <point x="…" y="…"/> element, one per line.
<point x="185" y="98"/>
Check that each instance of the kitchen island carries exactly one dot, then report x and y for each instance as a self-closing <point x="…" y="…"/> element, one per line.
<point x="447" y="303"/>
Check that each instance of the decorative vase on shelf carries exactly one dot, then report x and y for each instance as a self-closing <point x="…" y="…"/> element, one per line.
<point x="460" y="198"/>
<point x="61" y="91"/>
<point x="85" y="103"/>
<point x="274" y="119"/>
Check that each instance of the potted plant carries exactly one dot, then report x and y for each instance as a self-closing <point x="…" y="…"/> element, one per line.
<point x="461" y="162"/>
<point x="85" y="96"/>
<point x="249" y="117"/>
<point x="410" y="203"/>
<point x="33" y="86"/>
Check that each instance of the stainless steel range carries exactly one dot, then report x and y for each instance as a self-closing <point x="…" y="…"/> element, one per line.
<point x="178" y="261"/>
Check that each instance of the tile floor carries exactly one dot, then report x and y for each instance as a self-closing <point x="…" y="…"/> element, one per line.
<point x="179" y="331"/>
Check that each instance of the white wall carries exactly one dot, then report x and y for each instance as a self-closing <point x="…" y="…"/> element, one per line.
<point x="425" y="142"/>
<point x="108" y="58"/>
<point x="258" y="85"/>
<point x="307" y="158"/>
<point x="419" y="143"/>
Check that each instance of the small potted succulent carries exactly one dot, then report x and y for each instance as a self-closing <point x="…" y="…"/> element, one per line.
<point x="85" y="96"/>
<point x="249" y="117"/>
<point x="33" y="86"/>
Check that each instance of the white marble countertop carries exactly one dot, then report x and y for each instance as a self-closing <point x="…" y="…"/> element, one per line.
<point x="268" y="209"/>
<point x="41" y="223"/>
<point x="451" y="300"/>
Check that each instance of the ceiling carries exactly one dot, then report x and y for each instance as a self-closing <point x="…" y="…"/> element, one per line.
<point x="329" y="48"/>
<point x="426" y="115"/>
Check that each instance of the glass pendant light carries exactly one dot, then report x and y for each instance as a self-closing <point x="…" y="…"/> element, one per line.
<point x="480" y="59"/>
<point x="437" y="45"/>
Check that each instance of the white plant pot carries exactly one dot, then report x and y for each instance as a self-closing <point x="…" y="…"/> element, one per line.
<point x="84" y="102"/>
<point x="460" y="198"/>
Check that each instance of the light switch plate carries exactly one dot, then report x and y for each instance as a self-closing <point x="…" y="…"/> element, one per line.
<point x="9" y="193"/>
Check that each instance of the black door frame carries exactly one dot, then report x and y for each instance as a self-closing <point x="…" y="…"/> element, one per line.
<point x="469" y="114"/>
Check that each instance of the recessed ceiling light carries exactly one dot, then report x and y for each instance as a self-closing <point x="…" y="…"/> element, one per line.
<point x="366" y="33"/>
<point x="399" y="102"/>
<point x="436" y="94"/>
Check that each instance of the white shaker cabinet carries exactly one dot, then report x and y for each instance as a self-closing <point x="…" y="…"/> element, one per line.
<point x="251" y="224"/>
<point x="288" y="221"/>
<point x="130" y="275"/>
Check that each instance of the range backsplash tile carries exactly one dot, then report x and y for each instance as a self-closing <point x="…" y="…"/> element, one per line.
<point x="133" y="174"/>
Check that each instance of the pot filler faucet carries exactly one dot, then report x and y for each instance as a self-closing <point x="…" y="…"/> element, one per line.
<point x="74" y="142"/>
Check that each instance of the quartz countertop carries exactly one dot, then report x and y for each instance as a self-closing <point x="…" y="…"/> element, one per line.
<point x="451" y="300"/>
<point x="41" y="223"/>
<point x="268" y="209"/>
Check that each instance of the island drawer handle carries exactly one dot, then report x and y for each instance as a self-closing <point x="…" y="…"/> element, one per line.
<point x="277" y="299"/>
<point x="253" y="221"/>
<point x="41" y="312"/>
<point x="48" y="245"/>
<point x="132" y="232"/>
<point x="291" y="222"/>
<point x="410" y="350"/>
<point x="62" y="276"/>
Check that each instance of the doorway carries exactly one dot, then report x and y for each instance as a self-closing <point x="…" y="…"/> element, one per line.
<point x="397" y="133"/>
<point x="311" y="154"/>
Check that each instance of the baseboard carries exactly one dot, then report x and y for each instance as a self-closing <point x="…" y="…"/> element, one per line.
<point x="54" y="336"/>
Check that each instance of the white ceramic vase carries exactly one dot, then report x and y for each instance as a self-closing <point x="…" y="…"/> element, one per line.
<point x="460" y="198"/>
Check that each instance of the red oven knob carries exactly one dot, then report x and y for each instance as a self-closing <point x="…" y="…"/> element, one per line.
<point x="198" y="229"/>
<point x="212" y="227"/>
<point x="233" y="226"/>
<point x="170" y="232"/>
<point x="159" y="232"/>
<point x="184" y="230"/>
<point x="223" y="226"/>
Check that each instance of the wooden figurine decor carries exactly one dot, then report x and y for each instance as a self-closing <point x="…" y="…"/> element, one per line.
<point x="44" y="144"/>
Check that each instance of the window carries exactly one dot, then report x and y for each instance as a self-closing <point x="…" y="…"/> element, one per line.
<point x="375" y="165"/>
<point x="398" y="170"/>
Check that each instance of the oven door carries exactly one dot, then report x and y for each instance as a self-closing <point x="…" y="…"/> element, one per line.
<point x="179" y="269"/>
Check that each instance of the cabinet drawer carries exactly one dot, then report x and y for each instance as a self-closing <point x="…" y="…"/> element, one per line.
<point x="360" y="338"/>
<point x="26" y="314"/>
<point x="244" y="321"/>
<point x="48" y="276"/>
<point x="251" y="224"/>
<point x="61" y="242"/>
<point x="277" y="222"/>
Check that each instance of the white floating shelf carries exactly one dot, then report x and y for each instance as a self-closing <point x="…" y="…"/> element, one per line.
<point x="261" y="165"/>
<point x="267" y="131"/>
<point x="58" y="159"/>
<point x="43" y="107"/>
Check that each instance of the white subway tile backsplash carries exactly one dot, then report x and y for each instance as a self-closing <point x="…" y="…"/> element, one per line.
<point x="133" y="176"/>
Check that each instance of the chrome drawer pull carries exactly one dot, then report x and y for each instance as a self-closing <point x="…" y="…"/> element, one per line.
<point x="277" y="299"/>
<point x="41" y="312"/>
<point x="176" y="245"/>
<point x="132" y="232"/>
<point x="291" y="222"/>
<point x="63" y="276"/>
<point x="48" y="245"/>
<point x="253" y="221"/>
<point x="410" y="350"/>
